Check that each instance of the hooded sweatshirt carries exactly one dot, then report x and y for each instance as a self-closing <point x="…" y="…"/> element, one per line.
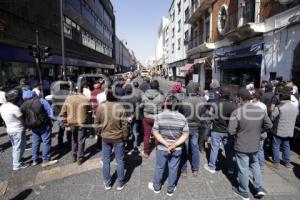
<point x="152" y="102"/>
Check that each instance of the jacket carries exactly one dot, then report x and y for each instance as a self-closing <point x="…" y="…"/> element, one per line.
<point x="221" y="120"/>
<point x="74" y="111"/>
<point x="284" y="117"/>
<point x="111" y="122"/>
<point x="152" y="101"/>
<point x="193" y="108"/>
<point x="246" y="125"/>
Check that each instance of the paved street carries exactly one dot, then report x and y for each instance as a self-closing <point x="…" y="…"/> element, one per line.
<point x="69" y="181"/>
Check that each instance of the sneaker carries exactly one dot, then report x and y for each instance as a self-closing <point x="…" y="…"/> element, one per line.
<point x="49" y="163"/>
<point x="136" y="150"/>
<point x="151" y="187"/>
<point x="276" y="165"/>
<point x="260" y="193"/>
<point x="207" y="168"/>
<point x="120" y="187"/>
<point x="238" y="193"/>
<point x="22" y="166"/>
<point x="130" y="152"/>
<point x="195" y="173"/>
<point x="34" y="163"/>
<point x="288" y="165"/>
<point x="144" y="155"/>
<point x="183" y="174"/>
<point x="107" y="187"/>
<point x="171" y="193"/>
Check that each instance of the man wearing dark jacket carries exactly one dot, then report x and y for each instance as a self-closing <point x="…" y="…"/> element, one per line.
<point x="246" y="125"/>
<point x="220" y="132"/>
<point x="131" y="104"/>
<point x="193" y="108"/>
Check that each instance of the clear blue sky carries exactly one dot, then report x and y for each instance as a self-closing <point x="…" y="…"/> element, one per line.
<point x="137" y="22"/>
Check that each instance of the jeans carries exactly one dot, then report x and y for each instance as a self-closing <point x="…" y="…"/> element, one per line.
<point x="148" y="124"/>
<point x="261" y="152"/>
<point x="191" y="151"/>
<point x="216" y="138"/>
<point x="173" y="160"/>
<point x="276" y="142"/>
<point x="78" y="141"/>
<point x="119" y="151"/>
<point x="42" y="135"/>
<point x="18" y="142"/>
<point x="135" y="133"/>
<point x="243" y="161"/>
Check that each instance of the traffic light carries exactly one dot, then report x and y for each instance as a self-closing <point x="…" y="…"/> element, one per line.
<point x="46" y="52"/>
<point x="34" y="51"/>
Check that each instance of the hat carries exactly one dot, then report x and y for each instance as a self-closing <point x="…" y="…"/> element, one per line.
<point x="176" y="87"/>
<point x="244" y="94"/>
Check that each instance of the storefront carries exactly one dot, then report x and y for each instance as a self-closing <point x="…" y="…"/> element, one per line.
<point x="240" y="66"/>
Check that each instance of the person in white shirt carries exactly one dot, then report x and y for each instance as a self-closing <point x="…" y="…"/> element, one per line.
<point x="261" y="153"/>
<point x="12" y="116"/>
<point x="86" y="91"/>
<point x="37" y="89"/>
<point x="2" y="95"/>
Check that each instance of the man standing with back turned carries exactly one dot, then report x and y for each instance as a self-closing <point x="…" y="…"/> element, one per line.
<point x="246" y="124"/>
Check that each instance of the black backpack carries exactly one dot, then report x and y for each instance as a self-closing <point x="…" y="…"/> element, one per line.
<point x="34" y="113"/>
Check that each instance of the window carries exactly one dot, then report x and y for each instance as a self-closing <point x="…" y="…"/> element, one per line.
<point x="179" y="7"/>
<point x="173" y="16"/>
<point x="207" y="29"/>
<point x="173" y="47"/>
<point x="173" y="32"/>
<point x="179" y="25"/>
<point x="187" y="13"/>
<point x="179" y="43"/>
<point x="186" y="35"/>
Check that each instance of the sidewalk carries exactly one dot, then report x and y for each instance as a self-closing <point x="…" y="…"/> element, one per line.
<point x="69" y="181"/>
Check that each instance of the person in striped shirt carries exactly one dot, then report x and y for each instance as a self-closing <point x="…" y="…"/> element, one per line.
<point x="171" y="130"/>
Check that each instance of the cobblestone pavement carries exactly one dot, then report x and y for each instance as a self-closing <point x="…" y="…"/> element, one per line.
<point x="69" y="181"/>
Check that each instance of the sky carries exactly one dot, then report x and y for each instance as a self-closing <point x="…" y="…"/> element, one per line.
<point x="137" y="22"/>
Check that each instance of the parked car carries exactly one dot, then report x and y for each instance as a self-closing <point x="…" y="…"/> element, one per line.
<point x="145" y="73"/>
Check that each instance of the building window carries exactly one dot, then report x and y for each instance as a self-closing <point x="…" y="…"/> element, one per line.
<point x="223" y="19"/>
<point x="173" y="47"/>
<point x="179" y="25"/>
<point x="179" y="43"/>
<point x="173" y="32"/>
<point x="186" y="35"/>
<point x="187" y="13"/>
<point x="179" y="7"/>
<point x="207" y="29"/>
<point x="173" y="16"/>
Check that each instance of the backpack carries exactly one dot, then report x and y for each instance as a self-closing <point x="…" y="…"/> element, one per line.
<point x="35" y="115"/>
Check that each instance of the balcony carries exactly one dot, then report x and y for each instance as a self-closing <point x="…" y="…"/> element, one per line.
<point x="198" y="45"/>
<point x="197" y="9"/>
<point x="241" y="24"/>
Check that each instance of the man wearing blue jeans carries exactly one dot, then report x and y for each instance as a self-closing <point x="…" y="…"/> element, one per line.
<point x="41" y="132"/>
<point x="284" y="117"/>
<point x="13" y="118"/>
<point x="170" y="136"/>
<point x="246" y="124"/>
<point x="111" y="122"/>
<point x="193" y="108"/>
<point x="219" y="133"/>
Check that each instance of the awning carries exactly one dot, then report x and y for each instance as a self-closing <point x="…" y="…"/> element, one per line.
<point x="200" y="60"/>
<point x="186" y="67"/>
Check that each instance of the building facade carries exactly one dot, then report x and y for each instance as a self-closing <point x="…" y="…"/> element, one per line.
<point x="125" y="57"/>
<point x="89" y="31"/>
<point x="178" y="32"/>
<point x="161" y="52"/>
<point x="242" y="41"/>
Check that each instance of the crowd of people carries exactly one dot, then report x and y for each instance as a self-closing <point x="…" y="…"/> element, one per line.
<point x="122" y="113"/>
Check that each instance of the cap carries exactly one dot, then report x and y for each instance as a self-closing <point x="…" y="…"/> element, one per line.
<point x="244" y="94"/>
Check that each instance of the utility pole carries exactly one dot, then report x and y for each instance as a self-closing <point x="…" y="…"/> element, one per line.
<point x="62" y="40"/>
